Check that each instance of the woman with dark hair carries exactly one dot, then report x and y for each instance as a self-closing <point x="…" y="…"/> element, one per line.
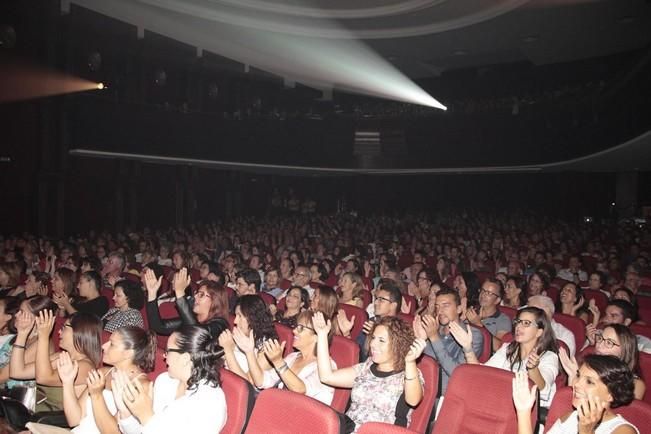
<point x="603" y="383"/>
<point x="80" y="336"/>
<point x="298" y="371"/>
<point x="597" y="282"/>
<point x="422" y="288"/>
<point x="467" y="285"/>
<point x="614" y="340"/>
<point x="9" y="277"/>
<point x="533" y="350"/>
<point x="210" y="308"/>
<point x="128" y="298"/>
<point x="129" y="349"/>
<point x="570" y="299"/>
<point x="89" y="299"/>
<point x="537" y="284"/>
<point x="296" y="301"/>
<point x="388" y="384"/>
<point x="186" y="398"/>
<point x="515" y="295"/>
<point x="443" y="270"/>
<point x="325" y="300"/>
<point x="252" y="318"/>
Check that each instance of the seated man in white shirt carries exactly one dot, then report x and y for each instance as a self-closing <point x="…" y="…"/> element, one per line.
<point x="562" y="333"/>
<point x="573" y="272"/>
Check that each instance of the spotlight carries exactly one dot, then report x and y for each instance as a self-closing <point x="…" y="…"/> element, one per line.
<point x="160" y="77"/>
<point x="7" y="36"/>
<point x="100" y="86"/>
<point x="94" y="61"/>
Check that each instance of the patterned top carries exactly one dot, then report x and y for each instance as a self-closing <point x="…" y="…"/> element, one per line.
<point x="379" y="396"/>
<point x="116" y="318"/>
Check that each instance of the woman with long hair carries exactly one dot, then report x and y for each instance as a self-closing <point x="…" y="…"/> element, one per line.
<point x="210" y="308"/>
<point x="533" y="350"/>
<point x="351" y="286"/>
<point x="603" y="384"/>
<point x="252" y="319"/>
<point x="614" y="340"/>
<point x="388" y="376"/>
<point x="186" y="398"/>
<point x="515" y="295"/>
<point x="296" y="301"/>
<point x="129" y="349"/>
<point x="298" y="371"/>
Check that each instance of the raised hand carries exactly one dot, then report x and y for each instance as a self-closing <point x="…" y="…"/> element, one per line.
<point x="152" y="284"/>
<point x="473" y="317"/>
<point x="570" y="366"/>
<point x="523" y="397"/>
<point x="96" y="382"/>
<point x="591" y="333"/>
<point x="24" y="323"/>
<point x="112" y="280"/>
<point x="226" y="341"/>
<point x="431" y="325"/>
<point x="67" y="368"/>
<point x="419" y="329"/>
<point x="244" y="342"/>
<point x="580" y="302"/>
<point x="321" y="326"/>
<point x="533" y="359"/>
<point x="368" y="325"/>
<point x="181" y="281"/>
<point x="415" y="350"/>
<point x="44" y="323"/>
<point x="590" y="412"/>
<point x="274" y="351"/>
<point x="118" y="382"/>
<point x="594" y="310"/>
<point x="463" y="337"/>
<point x="345" y="324"/>
<point x="406" y="306"/>
<point x="138" y="400"/>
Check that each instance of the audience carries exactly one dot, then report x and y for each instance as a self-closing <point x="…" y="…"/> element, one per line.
<point x="128" y="299"/>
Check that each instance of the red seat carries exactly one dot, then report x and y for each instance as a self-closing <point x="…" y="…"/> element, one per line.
<point x="58" y="324"/>
<point x="268" y="298"/>
<point x="553" y="292"/>
<point x="385" y="428"/>
<point x="281" y="304"/>
<point x="479" y="399"/>
<point x="285" y="334"/>
<point x="367" y="298"/>
<point x="108" y="293"/>
<point x="278" y="411"/>
<point x="487" y="348"/>
<point x="637" y="412"/>
<point x="508" y="311"/>
<point x="360" y="318"/>
<point x="600" y="299"/>
<point x="345" y="353"/>
<point x="411" y="301"/>
<point x="168" y="310"/>
<point x="644" y="308"/>
<point x="573" y="324"/>
<point x="231" y="321"/>
<point x="645" y="373"/>
<point x="105" y="336"/>
<point x="421" y="415"/>
<point x="640" y="329"/>
<point x="240" y="398"/>
<point x="409" y="319"/>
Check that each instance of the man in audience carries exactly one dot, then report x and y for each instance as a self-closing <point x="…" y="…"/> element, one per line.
<point x="302" y="277"/>
<point x="561" y="332"/>
<point x="573" y="272"/>
<point x="620" y="312"/>
<point x="113" y="268"/>
<point x="247" y="282"/>
<point x="489" y="316"/>
<point x="271" y="280"/>
<point x="440" y="343"/>
<point x="388" y="301"/>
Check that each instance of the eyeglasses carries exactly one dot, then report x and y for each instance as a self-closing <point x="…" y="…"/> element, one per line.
<point x="300" y="274"/>
<point x="201" y="294"/>
<point x="67" y="324"/>
<point x="608" y="343"/>
<point x="300" y="327"/>
<point x="524" y="322"/>
<point x="486" y="291"/>
<point x="174" y="350"/>
<point x="382" y="299"/>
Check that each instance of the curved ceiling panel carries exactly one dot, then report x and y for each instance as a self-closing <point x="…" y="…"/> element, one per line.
<point x="384" y="20"/>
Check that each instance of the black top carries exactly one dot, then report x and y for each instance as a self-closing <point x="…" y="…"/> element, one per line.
<point x="186" y="317"/>
<point x="98" y="306"/>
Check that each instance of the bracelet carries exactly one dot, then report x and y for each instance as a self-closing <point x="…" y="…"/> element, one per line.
<point x="468" y="351"/>
<point x="409" y="379"/>
<point x="20" y="346"/>
<point x="283" y="368"/>
<point x="533" y="367"/>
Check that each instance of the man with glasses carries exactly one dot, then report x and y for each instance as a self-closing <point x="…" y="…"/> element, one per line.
<point x="302" y="277"/>
<point x="489" y="316"/>
<point x="387" y="303"/>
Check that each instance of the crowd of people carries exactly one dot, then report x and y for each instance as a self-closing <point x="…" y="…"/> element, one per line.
<point x="459" y="287"/>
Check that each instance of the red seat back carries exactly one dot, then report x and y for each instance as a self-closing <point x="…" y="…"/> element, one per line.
<point x="345" y="353"/>
<point x="160" y="365"/>
<point x="411" y="301"/>
<point x="280" y="411"/>
<point x="108" y="293"/>
<point x="240" y="398"/>
<point x="638" y="413"/>
<point x="645" y="373"/>
<point x="640" y="329"/>
<point x="285" y="334"/>
<point x="600" y="299"/>
<point x="553" y="292"/>
<point x="486" y="351"/>
<point x="268" y="298"/>
<point x="168" y="310"/>
<point x="58" y="323"/>
<point x="409" y="319"/>
<point x="478" y="399"/>
<point x="422" y="413"/>
<point x="644" y="308"/>
<point x="384" y="428"/>
<point x="367" y="298"/>
<point x="561" y="405"/>
<point x="508" y="311"/>
<point x="360" y="318"/>
<point x="573" y="324"/>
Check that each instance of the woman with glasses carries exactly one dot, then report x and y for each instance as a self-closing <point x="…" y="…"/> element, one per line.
<point x="209" y="311"/>
<point x="603" y="384"/>
<point x="614" y="340"/>
<point x="298" y="371"/>
<point x="533" y="350"/>
<point x="187" y="398"/>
